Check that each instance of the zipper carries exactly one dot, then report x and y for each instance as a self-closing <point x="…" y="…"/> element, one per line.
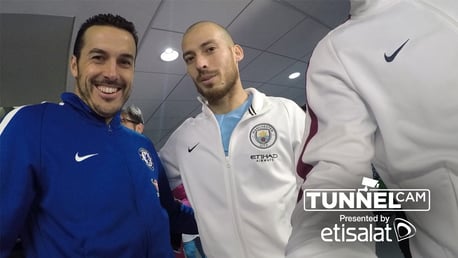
<point x="233" y="192"/>
<point x="228" y="174"/>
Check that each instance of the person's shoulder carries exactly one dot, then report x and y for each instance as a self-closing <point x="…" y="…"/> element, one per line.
<point x="284" y="102"/>
<point x="185" y="129"/>
<point x="31" y="111"/>
<point x="284" y="108"/>
<point x="190" y="122"/>
<point x="132" y="135"/>
<point x="26" y="116"/>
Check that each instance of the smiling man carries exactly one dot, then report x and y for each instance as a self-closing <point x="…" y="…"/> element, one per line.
<point x="74" y="182"/>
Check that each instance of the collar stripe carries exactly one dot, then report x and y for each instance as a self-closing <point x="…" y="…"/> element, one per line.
<point x="251" y="110"/>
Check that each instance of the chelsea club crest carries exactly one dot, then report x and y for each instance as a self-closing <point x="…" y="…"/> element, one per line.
<point x="263" y="136"/>
<point x="146" y="157"/>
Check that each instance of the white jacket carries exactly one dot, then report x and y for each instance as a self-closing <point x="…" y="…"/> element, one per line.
<point x="383" y="88"/>
<point x="243" y="202"/>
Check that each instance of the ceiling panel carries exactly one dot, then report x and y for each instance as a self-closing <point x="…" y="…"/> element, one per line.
<point x="185" y="90"/>
<point x="300" y="40"/>
<point x="272" y="21"/>
<point x="153" y="44"/>
<point x="265" y="67"/>
<point x="249" y="55"/>
<point x="138" y="11"/>
<point x="155" y="86"/>
<point x="177" y="15"/>
<point x="299" y="82"/>
<point x="329" y="12"/>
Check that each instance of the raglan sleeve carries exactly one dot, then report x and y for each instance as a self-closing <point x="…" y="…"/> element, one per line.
<point x="169" y="160"/>
<point x="336" y="154"/>
<point x="182" y="219"/>
<point x="19" y="161"/>
<point x="181" y="216"/>
<point x="297" y="130"/>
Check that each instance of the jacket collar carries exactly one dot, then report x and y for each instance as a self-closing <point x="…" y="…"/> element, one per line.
<point x="257" y="104"/>
<point x="81" y="107"/>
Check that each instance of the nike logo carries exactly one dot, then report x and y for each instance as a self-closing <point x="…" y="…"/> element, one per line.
<point x="391" y="57"/>
<point x="192" y="148"/>
<point x="79" y="158"/>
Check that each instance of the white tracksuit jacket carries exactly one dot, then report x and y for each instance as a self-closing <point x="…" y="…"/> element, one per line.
<point x="243" y="201"/>
<point x="383" y="88"/>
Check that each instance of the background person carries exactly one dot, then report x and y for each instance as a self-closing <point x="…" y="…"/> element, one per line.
<point x="132" y="118"/>
<point x="237" y="158"/>
<point x="191" y="242"/>
<point x="180" y="214"/>
<point x="382" y="88"/>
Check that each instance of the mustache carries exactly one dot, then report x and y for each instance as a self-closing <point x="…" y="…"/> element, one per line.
<point x="116" y="83"/>
<point x="205" y="75"/>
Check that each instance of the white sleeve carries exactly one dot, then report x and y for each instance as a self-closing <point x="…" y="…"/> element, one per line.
<point x="297" y="128"/>
<point x="169" y="160"/>
<point x="337" y="153"/>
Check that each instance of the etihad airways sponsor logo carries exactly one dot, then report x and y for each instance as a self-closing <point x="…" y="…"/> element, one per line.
<point x="269" y="157"/>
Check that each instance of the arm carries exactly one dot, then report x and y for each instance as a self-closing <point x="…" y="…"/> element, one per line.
<point x="169" y="160"/>
<point x="297" y="129"/>
<point x="337" y="153"/>
<point x="181" y="217"/>
<point x="19" y="157"/>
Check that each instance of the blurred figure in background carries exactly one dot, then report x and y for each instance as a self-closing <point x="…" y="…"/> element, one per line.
<point x="180" y="213"/>
<point x="191" y="242"/>
<point x="132" y="118"/>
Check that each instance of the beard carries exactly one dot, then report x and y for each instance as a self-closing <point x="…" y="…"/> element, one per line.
<point x="217" y="92"/>
<point x="86" y="90"/>
<point x="213" y="95"/>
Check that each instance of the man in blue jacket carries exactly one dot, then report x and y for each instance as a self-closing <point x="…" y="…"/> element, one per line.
<point x="74" y="182"/>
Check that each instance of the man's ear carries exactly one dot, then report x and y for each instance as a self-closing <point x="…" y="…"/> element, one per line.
<point x="139" y="128"/>
<point x="238" y="51"/>
<point x="74" y="66"/>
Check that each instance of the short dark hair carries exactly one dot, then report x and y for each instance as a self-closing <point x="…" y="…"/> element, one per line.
<point x="107" y="20"/>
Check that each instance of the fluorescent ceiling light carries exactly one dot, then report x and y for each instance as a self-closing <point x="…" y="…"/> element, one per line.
<point x="169" y="55"/>
<point x="294" y="75"/>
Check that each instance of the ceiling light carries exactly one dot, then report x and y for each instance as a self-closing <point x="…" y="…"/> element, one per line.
<point x="294" y="75"/>
<point x="169" y="55"/>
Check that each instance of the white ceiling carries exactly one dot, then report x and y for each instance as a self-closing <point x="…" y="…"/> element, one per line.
<point x="278" y="37"/>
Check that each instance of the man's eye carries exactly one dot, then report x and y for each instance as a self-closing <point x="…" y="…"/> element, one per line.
<point x="211" y="49"/>
<point x="126" y="62"/>
<point x="97" y="58"/>
<point x="188" y="59"/>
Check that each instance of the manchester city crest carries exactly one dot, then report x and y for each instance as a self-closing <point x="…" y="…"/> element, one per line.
<point x="146" y="157"/>
<point x="263" y="136"/>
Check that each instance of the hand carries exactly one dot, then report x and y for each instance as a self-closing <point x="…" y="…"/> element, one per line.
<point x="186" y="209"/>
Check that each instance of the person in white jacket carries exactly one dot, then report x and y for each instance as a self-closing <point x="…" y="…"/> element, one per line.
<point x="237" y="159"/>
<point x="382" y="88"/>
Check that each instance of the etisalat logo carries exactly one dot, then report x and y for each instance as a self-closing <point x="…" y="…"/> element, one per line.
<point x="368" y="198"/>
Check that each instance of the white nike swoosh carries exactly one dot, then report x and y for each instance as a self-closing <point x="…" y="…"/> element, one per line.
<point x="79" y="158"/>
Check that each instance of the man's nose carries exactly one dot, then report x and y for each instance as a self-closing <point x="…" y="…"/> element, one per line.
<point x="201" y="62"/>
<point x="111" y="70"/>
